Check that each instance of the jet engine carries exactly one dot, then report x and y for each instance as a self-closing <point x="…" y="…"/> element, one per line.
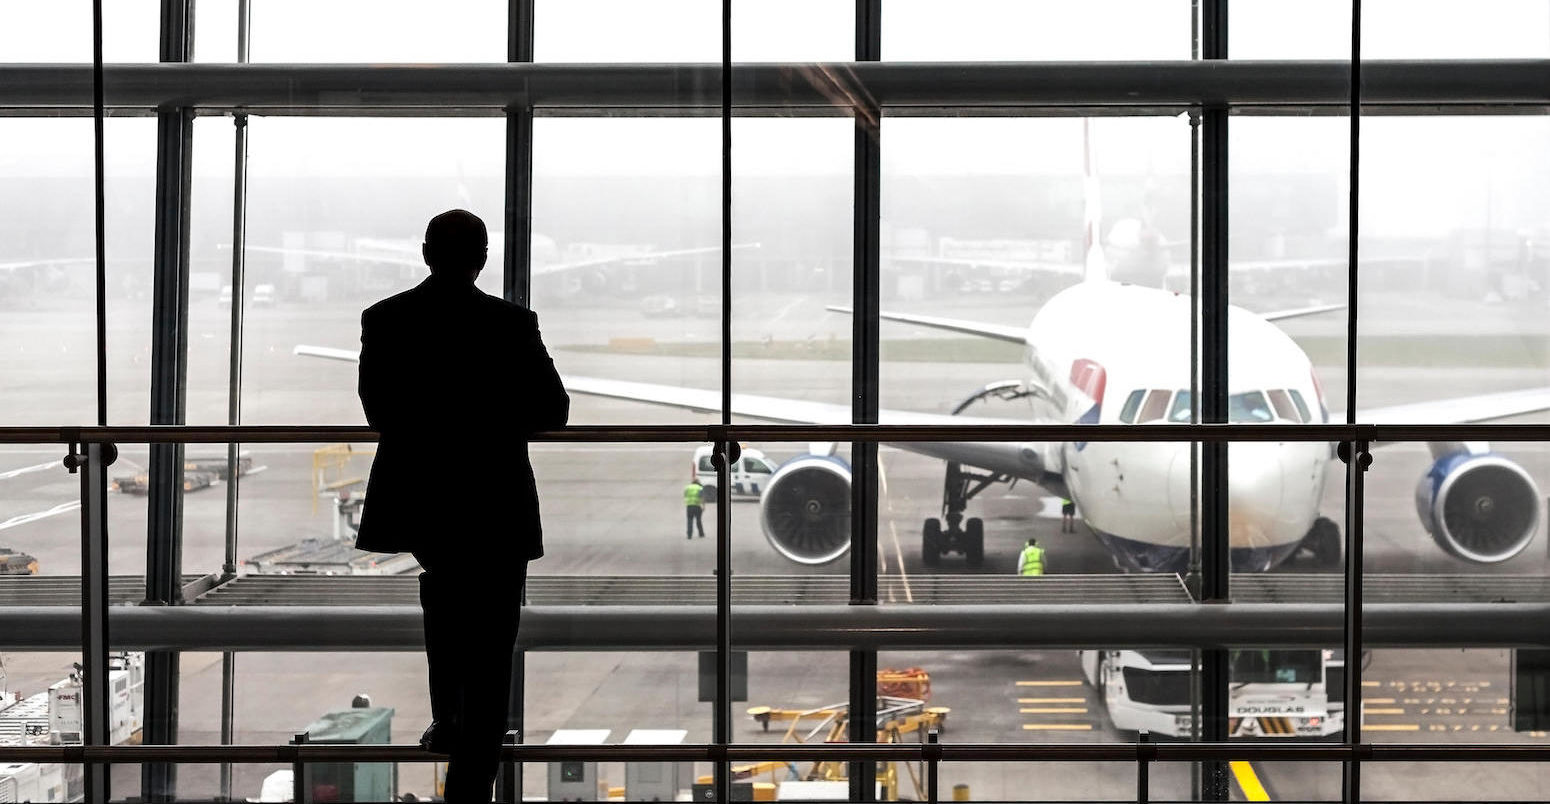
<point x="805" y="509"/>
<point x="1479" y="507"/>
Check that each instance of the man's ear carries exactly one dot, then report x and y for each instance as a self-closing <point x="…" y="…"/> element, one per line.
<point x="425" y="253"/>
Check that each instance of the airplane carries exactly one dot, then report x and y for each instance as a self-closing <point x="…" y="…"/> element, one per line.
<point x="1108" y="352"/>
<point x="1082" y="369"/>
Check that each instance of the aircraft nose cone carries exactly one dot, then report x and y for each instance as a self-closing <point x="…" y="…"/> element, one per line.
<point x="1255" y="481"/>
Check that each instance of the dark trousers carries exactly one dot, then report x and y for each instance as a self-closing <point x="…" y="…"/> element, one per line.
<point x="692" y="520"/>
<point x="470" y="633"/>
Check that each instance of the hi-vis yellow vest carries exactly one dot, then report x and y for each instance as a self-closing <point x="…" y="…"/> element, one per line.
<point x="1033" y="560"/>
<point x="692" y="494"/>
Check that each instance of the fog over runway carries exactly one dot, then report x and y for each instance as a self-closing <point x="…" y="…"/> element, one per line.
<point x="616" y="509"/>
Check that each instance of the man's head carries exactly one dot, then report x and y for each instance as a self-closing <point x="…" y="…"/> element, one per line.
<point x="456" y="244"/>
<point x="1033" y="542"/>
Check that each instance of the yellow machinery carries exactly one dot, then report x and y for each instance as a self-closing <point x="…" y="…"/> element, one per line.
<point x="896" y="717"/>
<point x="336" y="468"/>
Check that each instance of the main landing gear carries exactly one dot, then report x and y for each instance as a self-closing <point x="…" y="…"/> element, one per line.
<point x="960" y="536"/>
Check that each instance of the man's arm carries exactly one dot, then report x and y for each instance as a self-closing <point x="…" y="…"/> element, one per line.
<point x="548" y="405"/>
<point x="374" y="384"/>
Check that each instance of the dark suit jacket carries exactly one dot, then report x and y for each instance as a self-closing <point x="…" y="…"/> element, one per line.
<point x="435" y="360"/>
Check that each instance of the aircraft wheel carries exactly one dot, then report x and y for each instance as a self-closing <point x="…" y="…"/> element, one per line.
<point x="931" y="542"/>
<point x="974" y="541"/>
<point x="1324" y="540"/>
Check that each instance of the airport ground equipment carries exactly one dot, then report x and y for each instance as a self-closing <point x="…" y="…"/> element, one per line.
<point x="198" y="473"/>
<point x="911" y="682"/>
<point x="53" y="717"/>
<point x="339" y="468"/>
<point x="336" y="555"/>
<point x="656" y="781"/>
<point x="13" y="562"/>
<point x="575" y="781"/>
<point x="353" y="781"/>
<point x="1274" y="693"/>
<point x="896" y="718"/>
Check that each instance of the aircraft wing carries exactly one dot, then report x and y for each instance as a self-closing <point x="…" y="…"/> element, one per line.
<point x="414" y="261"/>
<point x="1019" y="459"/>
<point x="1029" y="267"/>
<point x="1462" y="410"/>
<point x="23" y="264"/>
<point x="1282" y="315"/>
<point x="648" y="256"/>
<point x="1000" y="332"/>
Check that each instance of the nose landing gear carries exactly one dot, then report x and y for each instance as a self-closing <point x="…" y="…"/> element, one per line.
<point x="1323" y="541"/>
<point x="965" y="536"/>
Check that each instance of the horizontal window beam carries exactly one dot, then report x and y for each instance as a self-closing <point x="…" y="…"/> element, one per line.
<point x="818" y="627"/>
<point x="896" y="433"/>
<point x="821" y="752"/>
<point x="896" y="87"/>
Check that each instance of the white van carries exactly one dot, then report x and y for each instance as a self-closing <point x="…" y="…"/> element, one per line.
<point x="750" y="476"/>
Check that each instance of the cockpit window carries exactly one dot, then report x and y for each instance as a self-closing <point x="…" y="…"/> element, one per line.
<point x="1132" y="403"/>
<point x="1249" y="407"/>
<point x="1302" y="407"/>
<point x="1180" y="412"/>
<point x="1283" y="405"/>
<point x="1156" y="405"/>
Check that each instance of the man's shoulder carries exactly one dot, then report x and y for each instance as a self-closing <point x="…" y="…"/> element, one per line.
<point x="507" y="310"/>
<point x="393" y="304"/>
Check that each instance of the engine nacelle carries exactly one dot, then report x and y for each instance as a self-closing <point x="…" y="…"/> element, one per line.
<point x="1479" y="507"/>
<point x="805" y="509"/>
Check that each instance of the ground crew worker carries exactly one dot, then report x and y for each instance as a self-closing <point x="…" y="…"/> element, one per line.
<point x="1067" y="515"/>
<point x="694" y="505"/>
<point x="1031" y="560"/>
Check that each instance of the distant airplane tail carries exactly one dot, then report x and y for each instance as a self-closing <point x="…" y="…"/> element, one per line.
<point x="1095" y="266"/>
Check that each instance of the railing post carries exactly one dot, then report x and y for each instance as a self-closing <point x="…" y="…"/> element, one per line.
<point x="1144" y="755"/>
<point x="933" y="760"/>
<point x="94" y="459"/>
<point x="507" y="790"/>
<point x="301" y="778"/>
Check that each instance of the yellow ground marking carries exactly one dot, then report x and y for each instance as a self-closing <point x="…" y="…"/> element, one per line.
<point x="1249" y="781"/>
<point x="1050" y="700"/>
<point x="1057" y="727"/>
<point x="1378" y="700"/>
<point x="904" y="577"/>
<point x="882" y="477"/>
<point x="1370" y="683"/>
<point x="1053" y="710"/>
<point x="1395" y="710"/>
<point x="1391" y="727"/>
<point x="1063" y="683"/>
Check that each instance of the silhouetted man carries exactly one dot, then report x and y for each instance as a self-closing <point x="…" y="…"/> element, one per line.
<point x="454" y="380"/>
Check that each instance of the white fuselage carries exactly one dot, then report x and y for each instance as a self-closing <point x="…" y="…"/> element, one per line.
<point x="1103" y="352"/>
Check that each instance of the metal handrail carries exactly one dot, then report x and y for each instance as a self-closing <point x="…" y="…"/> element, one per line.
<point x="897" y="433"/>
<point x="828" y="752"/>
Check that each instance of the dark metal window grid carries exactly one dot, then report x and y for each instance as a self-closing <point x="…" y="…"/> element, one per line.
<point x="1213" y="87"/>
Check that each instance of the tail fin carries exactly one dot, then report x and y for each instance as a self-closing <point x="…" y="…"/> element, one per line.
<point x="1096" y="267"/>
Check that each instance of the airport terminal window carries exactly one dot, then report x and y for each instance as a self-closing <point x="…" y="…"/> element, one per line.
<point x="987" y="216"/>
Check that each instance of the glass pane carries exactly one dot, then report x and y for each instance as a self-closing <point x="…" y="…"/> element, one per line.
<point x="334" y="32"/>
<point x="62" y="32"/>
<point x="1008" y="30"/>
<point x="592" y="698"/>
<point x="337" y="210"/>
<point x="627" y="257"/>
<point x="1467" y="245"/>
<point x="47" y="270"/>
<point x="690" y="31"/>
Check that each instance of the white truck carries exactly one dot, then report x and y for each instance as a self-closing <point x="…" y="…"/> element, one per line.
<point x="1274" y="693"/>
<point x="750" y="476"/>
